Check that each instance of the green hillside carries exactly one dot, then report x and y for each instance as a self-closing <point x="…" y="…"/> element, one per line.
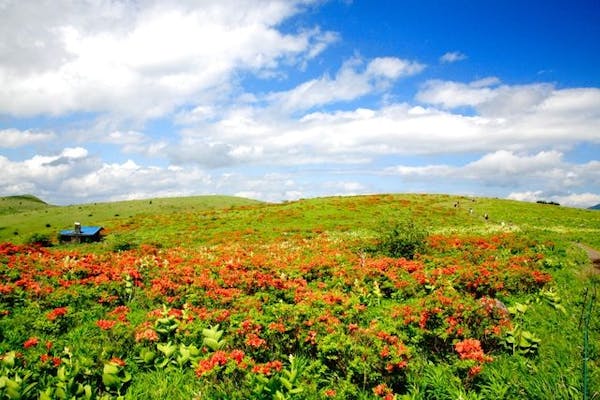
<point x="28" y="215"/>
<point x="211" y="219"/>
<point x="19" y="204"/>
<point x="404" y="296"/>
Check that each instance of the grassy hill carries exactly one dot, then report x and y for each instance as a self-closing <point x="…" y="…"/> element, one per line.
<point x="19" y="204"/>
<point x="220" y="297"/>
<point x="211" y="219"/>
<point x="23" y="216"/>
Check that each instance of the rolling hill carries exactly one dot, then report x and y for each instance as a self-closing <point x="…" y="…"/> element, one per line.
<point x="229" y="297"/>
<point x="19" y="204"/>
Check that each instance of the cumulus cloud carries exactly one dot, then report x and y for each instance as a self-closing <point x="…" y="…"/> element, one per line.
<point x="73" y="176"/>
<point x="452" y="56"/>
<point x="491" y="99"/>
<point x="12" y="138"/>
<point x="545" y="174"/>
<point x="44" y="174"/>
<point x="348" y="84"/>
<point x="546" y="118"/>
<point x="581" y="200"/>
<point x="134" y="142"/>
<point x="139" y="59"/>
<point x="175" y="85"/>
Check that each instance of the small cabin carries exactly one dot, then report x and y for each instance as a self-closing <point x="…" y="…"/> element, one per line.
<point x="81" y="234"/>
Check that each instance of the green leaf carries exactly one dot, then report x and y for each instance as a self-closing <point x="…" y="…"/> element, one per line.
<point x="148" y="356"/>
<point x="212" y="344"/>
<point x="288" y="385"/>
<point x="46" y="395"/>
<point x="167" y="349"/>
<point x="522" y="308"/>
<point x="110" y="369"/>
<point x="60" y="393"/>
<point x="110" y="380"/>
<point x="8" y="360"/>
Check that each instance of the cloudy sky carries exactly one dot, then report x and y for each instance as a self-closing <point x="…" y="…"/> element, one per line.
<point x="277" y="100"/>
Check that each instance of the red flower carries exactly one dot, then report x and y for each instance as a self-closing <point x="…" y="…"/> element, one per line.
<point x="470" y="349"/>
<point x="117" y="361"/>
<point x="105" y="324"/>
<point x="330" y="393"/>
<point x="253" y="340"/>
<point x="57" y="312"/>
<point x="148" y="334"/>
<point x="384" y="352"/>
<point x="475" y="370"/>
<point x="266" y="369"/>
<point x="311" y="338"/>
<point x="219" y="358"/>
<point x="31" y="342"/>
<point x="382" y="390"/>
<point x="277" y="326"/>
<point x="237" y="355"/>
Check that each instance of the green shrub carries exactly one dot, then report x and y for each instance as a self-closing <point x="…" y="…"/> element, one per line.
<point x="40" y="239"/>
<point x="402" y="239"/>
<point x="122" y="242"/>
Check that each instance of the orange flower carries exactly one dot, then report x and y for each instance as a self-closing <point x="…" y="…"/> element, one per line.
<point x="105" y="324"/>
<point x="254" y="340"/>
<point x="470" y="349"/>
<point x="147" y="334"/>
<point x="117" y="361"/>
<point x="31" y="342"/>
<point x="57" y="312"/>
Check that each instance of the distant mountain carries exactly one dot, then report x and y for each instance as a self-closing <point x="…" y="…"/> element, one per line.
<point x="596" y="207"/>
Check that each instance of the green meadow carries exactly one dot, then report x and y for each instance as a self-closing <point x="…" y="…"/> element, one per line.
<point x="395" y="296"/>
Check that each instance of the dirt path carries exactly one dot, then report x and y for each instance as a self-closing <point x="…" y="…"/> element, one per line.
<point x="593" y="254"/>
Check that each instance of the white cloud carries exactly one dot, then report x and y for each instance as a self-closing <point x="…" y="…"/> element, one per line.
<point x="12" y="138"/>
<point x="545" y="174"/>
<point x="452" y="56"/>
<point x="493" y="100"/>
<point x="140" y="59"/>
<point x="45" y="174"/>
<point x="581" y="200"/>
<point x="548" y="118"/>
<point x="456" y="94"/>
<point x="349" y="83"/>
<point x="117" y="64"/>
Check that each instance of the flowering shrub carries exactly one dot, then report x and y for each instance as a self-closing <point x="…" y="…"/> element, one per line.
<point x="233" y="313"/>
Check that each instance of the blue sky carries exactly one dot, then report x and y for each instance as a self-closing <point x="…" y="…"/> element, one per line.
<point x="279" y="100"/>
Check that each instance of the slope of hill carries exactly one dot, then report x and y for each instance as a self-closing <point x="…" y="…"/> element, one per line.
<point x="23" y="215"/>
<point x="18" y="204"/>
<point x="223" y="296"/>
<point x="596" y="207"/>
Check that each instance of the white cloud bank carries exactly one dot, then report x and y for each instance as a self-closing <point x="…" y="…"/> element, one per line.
<point x="140" y="60"/>
<point x="130" y="62"/>
<point x="348" y="84"/>
<point x="542" y="176"/>
<point x="513" y="118"/>
<point x="12" y="138"/>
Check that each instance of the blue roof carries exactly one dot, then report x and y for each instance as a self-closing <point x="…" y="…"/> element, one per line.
<point x="85" y="231"/>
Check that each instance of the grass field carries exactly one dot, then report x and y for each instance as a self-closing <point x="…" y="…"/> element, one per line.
<point x="384" y="296"/>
